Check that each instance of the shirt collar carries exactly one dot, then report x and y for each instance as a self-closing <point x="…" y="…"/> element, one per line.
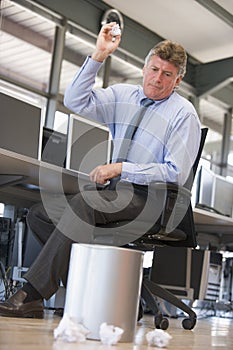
<point x="156" y="102"/>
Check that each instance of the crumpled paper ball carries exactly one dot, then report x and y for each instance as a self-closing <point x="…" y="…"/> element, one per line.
<point x="109" y="334"/>
<point x="158" y="338"/>
<point x="116" y="30"/>
<point x="70" y="331"/>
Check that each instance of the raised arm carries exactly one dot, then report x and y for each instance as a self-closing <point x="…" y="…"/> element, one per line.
<point x="105" y="45"/>
<point x="79" y="95"/>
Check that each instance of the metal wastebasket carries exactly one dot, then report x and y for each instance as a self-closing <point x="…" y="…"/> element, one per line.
<point x="104" y="285"/>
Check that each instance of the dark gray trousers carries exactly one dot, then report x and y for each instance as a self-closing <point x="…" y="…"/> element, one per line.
<point x="57" y="223"/>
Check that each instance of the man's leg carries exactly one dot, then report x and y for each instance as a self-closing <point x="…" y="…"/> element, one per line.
<point x="43" y="279"/>
<point x="51" y="266"/>
<point x="43" y="221"/>
<point x="98" y="208"/>
<point x="76" y="224"/>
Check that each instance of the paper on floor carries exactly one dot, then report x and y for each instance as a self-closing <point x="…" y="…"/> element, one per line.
<point x="158" y="338"/>
<point x="109" y="334"/>
<point x="70" y="331"/>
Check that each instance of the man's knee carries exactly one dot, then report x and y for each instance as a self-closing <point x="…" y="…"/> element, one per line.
<point x="39" y="222"/>
<point x="32" y="214"/>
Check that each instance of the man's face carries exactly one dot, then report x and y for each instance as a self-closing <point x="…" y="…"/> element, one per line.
<point x="160" y="77"/>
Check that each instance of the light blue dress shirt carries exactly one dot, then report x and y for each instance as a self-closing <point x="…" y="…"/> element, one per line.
<point x="166" y="143"/>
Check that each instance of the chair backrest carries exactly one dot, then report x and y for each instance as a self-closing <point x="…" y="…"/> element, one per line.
<point x="176" y="205"/>
<point x="190" y="180"/>
<point x="204" y="132"/>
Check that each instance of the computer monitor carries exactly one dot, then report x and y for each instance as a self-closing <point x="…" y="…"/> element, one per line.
<point x="205" y="187"/>
<point x="20" y="129"/>
<point x="54" y="147"/>
<point x="223" y="196"/>
<point x="89" y="145"/>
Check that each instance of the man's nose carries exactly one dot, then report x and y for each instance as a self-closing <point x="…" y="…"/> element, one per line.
<point x="158" y="76"/>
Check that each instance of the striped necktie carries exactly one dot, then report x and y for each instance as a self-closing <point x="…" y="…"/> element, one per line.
<point x="129" y="135"/>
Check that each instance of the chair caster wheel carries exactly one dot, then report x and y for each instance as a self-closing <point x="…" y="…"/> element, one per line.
<point x="161" y="322"/>
<point x="189" y="323"/>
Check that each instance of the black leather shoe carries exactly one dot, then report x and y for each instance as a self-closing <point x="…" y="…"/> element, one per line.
<point x="140" y="311"/>
<point x="15" y="306"/>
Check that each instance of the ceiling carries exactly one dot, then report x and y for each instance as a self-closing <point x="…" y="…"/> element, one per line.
<point x="205" y="35"/>
<point x="26" y="43"/>
<point x="203" y="27"/>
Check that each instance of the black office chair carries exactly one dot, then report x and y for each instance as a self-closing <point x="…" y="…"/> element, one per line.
<point x="173" y="228"/>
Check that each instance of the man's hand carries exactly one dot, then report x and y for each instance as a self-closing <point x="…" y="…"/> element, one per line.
<point x="103" y="173"/>
<point x="104" y="44"/>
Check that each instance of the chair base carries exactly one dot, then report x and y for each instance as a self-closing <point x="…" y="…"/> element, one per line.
<point x="151" y="290"/>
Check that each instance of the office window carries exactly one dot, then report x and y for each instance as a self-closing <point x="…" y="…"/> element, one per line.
<point x="79" y="44"/>
<point x="2" y="206"/>
<point x="230" y="158"/>
<point x="72" y="58"/>
<point x="61" y="122"/>
<point x="212" y="148"/>
<point x="230" y="166"/>
<point x="26" y="43"/>
<point x="213" y="145"/>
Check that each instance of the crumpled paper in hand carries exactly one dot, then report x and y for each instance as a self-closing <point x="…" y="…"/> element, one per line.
<point x="70" y="331"/>
<point x="109" y="334"/>
<point x="158" y="338"/>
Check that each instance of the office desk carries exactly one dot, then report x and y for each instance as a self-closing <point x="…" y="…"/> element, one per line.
<point x="39" y="174"/>
<point x="213" y="228"/>
<point x="56" y="179"/>
<point x="211" y="222"/>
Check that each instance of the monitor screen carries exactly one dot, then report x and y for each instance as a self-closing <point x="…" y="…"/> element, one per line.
<point x="89" y="145"/>
<point x="54" y="147"/>
<point x="223" y="196"/>
<point x="205" y="187"/>
<point x="20" y="126"/>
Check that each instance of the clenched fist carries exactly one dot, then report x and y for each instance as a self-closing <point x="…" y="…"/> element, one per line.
<point x="103" y="173"/>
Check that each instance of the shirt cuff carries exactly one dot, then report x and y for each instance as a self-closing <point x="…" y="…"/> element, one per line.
<point x="92" y="64"/>
<point x="130" y="173"/>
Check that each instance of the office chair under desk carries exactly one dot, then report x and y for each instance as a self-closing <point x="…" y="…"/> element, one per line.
<point x="165" y="232"/>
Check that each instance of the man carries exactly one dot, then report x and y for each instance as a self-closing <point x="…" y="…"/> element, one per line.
<point x="162" y="146"/>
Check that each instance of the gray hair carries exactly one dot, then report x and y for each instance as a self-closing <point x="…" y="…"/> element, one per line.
<point x="172" y="52"/>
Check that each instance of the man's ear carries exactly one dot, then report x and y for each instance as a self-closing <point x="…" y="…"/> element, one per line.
<point x="178" y="80"/>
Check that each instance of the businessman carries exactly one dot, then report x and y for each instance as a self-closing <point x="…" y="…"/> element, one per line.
<point x="161" y="146"/>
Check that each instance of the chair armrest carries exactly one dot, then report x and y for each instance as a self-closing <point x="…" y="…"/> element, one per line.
<point x="169" y="186"/>
<point x="93" y="187"/>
